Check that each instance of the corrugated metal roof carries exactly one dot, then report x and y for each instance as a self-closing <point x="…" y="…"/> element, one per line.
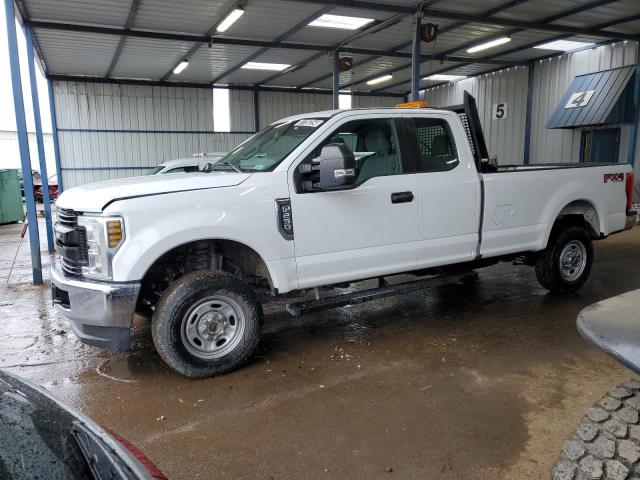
<point x="598" y="98"/>
<point x="68" y="50"/>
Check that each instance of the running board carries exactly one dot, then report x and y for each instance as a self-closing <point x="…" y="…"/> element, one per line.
<point x="300" y="308"/>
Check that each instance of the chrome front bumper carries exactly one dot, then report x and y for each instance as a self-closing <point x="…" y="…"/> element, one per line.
<point x="100" y="313"/>
<point x="632" y="218"/>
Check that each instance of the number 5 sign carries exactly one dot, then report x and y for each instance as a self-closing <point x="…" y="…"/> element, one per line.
<point x="500" y="111"/>
<point x="579" y="99"/>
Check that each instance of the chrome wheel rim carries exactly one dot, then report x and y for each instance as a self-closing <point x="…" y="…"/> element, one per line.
<point x="213" y="327"/>
<point x="573" y="260"/>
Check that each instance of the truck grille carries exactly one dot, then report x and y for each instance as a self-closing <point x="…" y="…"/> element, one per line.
<point x="68" y="218"/>
<point x="71" y="242"/>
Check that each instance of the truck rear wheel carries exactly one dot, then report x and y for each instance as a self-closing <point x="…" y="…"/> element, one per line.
<point x="565" y="264"/>
<point x="606" y="443"/>
<point x="206" y="324"/>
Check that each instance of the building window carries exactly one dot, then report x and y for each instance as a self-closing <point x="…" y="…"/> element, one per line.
<point x="221" y="111"/>
<point x="344" y="101"/>
<point x="600" y="145"/>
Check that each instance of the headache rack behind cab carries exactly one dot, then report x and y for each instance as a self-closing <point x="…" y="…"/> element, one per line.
<point x="468" y="113"/>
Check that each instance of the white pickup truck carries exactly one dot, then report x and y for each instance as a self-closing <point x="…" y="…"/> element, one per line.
<point x="318" y="200"/>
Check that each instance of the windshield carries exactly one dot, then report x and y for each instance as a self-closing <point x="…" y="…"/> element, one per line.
<point x="156" y="169"/>
<point x="267" y="148"/>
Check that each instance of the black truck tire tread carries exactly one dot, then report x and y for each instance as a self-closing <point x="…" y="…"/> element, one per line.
<point x="172" y="305"/>
<point x="606" y="443"/>
<point x="548" y="261"/>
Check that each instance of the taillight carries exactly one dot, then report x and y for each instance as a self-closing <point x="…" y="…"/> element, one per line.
<point x="146" y="463"/>
<point x="629" y="189"/>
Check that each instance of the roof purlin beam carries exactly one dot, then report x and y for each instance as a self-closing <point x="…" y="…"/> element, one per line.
<point x="473" y="18"/>
<point x="521" y="48"/>
<point x="198" y="44"/>
<point x="558" y="16"/>
<point x="207" y="85"/>
<point x="219" y="40"/>
<point x="315" y="57"/>
<point x="448" y="28"/>
<point x="280" y="38"/>
<point x="133" y="10"/>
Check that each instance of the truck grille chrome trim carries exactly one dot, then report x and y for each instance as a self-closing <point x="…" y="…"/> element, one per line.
<point x="71" y="242"/>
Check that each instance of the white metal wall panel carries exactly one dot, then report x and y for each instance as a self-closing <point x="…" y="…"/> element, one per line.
<point x="360" y="101"/>
<point x="505" y="138"/>
<point x="111" y="131"/>
<point x="276" y="105"/>
<point x="241" y="111"/>
<point x="551" y="79"/>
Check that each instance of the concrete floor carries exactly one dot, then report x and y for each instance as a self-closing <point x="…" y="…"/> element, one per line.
<point x="476" y="382"/>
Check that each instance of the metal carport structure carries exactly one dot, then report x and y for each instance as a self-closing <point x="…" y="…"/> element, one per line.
<point x="140" y="42"/>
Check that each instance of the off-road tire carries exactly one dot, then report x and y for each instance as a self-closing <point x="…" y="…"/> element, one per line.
<point x="174" y="304"/>
<point x="548" y="261"/>
<point x="606" y="443"/>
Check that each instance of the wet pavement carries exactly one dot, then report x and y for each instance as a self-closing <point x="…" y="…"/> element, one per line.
<point x="480" y="381"/>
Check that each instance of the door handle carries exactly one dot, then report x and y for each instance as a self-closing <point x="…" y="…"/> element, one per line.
<point x="402" y="197"/>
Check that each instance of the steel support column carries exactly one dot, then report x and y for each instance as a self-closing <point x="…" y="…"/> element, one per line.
<point x="54" y="134"/>
<point x="633" y="136"/>
<point x="39" y="139"/>
<point x="23" y="142"/>
<point x="256" y="110"/>
<point x="527" y="121"/>
<point x="415" y="58"/>
<point x="336" y="79"/>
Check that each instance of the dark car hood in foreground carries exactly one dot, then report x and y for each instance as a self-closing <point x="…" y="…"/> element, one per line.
<point x="37" y="439"/>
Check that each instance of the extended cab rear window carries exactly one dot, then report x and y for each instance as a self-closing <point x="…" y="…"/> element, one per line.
<point x="436" y="147"/>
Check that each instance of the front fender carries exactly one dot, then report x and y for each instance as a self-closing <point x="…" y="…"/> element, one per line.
<point x="155" y="225"/>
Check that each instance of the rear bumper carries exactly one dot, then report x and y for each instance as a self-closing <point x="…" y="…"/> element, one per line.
<point x="632" y="218"/>
<point x="100" y="313"/>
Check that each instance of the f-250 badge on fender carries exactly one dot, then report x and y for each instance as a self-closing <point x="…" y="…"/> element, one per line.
<point x="613" y="177"/>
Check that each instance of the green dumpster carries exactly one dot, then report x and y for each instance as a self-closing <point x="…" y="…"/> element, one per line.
<point x="10" y="198"/>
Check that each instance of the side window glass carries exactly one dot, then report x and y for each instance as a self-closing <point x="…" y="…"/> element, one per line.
<point x="374" y="144"/>
<point x="436" y="146"/>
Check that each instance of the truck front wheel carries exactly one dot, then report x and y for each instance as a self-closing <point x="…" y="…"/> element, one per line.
<point x="565" y="264"/>
<point x="206" y="324"/>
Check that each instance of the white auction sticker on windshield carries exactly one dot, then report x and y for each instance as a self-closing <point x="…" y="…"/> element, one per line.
<point x="308" y="122"/>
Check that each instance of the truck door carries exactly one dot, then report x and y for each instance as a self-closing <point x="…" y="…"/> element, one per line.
<point x="448" y="191"/>
<point x="365" y="231"/>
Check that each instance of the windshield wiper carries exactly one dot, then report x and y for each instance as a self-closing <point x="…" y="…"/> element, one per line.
<point x="226" y="163"/>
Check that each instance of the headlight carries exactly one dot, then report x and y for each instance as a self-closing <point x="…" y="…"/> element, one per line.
<point x="104" y="236"/>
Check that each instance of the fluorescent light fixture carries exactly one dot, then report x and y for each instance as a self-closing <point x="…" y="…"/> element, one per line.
<point x="181" y="66"/>
<point x="340" y="21"/>
<point x="230" y="19"/>
<point x="443" y="77"/>
<point x="276" y="67"/>
<point x="490" y="44"/>
<point x="381" y="79"/>
<point x="563" y="45"/>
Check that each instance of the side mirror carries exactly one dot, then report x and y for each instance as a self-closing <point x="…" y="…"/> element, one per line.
<point x="334" y="170"/>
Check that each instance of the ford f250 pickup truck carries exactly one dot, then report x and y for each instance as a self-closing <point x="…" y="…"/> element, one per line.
<point x="318" y="200"/>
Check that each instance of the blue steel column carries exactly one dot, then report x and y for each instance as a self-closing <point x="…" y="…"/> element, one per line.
<point x="415" y="58"/>
<point x="23" y="142"/>
<point x="527" y="122"/>
<point x="336" y="79"/>
<point x="54" y="134"/>
<point x="38" y="123"/>
<point x="633" y="137"/>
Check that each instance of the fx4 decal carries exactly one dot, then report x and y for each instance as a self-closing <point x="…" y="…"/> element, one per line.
<point x="613" y="177"/>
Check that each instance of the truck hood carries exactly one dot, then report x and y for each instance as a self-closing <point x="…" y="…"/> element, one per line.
<point x="94" y="197"/>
